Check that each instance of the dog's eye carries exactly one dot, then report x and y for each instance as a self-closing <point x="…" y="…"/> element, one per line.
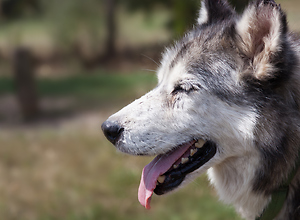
<point x="178" y="89"/>
<point x="184" y="88"/>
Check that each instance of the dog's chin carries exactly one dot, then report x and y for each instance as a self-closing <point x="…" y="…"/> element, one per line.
<point x="198" y="153"/>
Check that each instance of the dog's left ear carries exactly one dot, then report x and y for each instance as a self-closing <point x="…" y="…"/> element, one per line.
<point x="214" y="11"/>
<point x="262" y="30"/>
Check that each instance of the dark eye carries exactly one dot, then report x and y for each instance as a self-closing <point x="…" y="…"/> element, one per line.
<point x="178" y="89"/>
<point x="185" y="88"/>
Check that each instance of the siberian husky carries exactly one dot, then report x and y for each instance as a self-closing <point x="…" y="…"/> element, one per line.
<point x="227" y="102"/>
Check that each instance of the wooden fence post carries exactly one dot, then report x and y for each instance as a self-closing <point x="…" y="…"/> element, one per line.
<point x="25" y="84"/>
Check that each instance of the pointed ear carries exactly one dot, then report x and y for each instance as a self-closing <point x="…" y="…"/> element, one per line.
<point x="262" y="30"/>
<point x="214" y="11"/>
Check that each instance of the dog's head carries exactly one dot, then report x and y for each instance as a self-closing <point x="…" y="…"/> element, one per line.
<point x="217" y="88"/>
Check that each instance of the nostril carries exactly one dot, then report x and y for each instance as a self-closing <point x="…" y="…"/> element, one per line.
<point x="112" y="131"/>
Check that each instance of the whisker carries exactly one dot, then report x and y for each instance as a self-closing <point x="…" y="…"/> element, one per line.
<point x="149" y="70"/>
<point x="150" y="59"/>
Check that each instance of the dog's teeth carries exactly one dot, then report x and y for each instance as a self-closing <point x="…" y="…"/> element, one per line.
<point x="184" y="160"/>
<point x="175" y="166"/>
<point x="200" y="143"/>
<point x="161" y="179"/>
<point x="193" y="151"/>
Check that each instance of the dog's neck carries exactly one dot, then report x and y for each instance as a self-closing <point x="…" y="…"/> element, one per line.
<point x="280" y="196"/>
<point x="233" y="182"/>
<point x="234" y="186"/>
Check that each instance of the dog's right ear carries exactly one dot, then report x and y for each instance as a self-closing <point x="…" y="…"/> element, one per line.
<point x="213" y="11"/>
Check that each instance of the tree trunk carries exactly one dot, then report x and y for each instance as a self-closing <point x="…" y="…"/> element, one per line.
<point x="25" y="84"/>
<point x="111" y="28"/>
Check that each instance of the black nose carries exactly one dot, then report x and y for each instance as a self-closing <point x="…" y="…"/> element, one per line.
<point x="112" y="131"/>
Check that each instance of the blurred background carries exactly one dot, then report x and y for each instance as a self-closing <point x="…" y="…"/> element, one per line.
<point x="65" y="66"/>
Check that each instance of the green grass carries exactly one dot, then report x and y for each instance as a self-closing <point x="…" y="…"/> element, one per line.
<point x="98" y="88"/>
<point x="105" y="85"/>
<point x="68" y="95"/>
<point x="100" y="83"/>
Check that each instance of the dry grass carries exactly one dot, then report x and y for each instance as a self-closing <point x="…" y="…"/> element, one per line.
<point x="70" y="172"/>
<point x="54" y="171"/>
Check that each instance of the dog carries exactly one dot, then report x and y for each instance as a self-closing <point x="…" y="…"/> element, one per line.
<point x="227" y="102"/>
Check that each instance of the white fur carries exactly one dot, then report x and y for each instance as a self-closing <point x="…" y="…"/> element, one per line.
<point x="203" y="14"/>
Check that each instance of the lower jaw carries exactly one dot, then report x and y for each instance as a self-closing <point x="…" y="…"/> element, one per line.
<point x="174" y="177"/>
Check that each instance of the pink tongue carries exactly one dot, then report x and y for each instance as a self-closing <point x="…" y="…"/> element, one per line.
<point x="153" y="170"/>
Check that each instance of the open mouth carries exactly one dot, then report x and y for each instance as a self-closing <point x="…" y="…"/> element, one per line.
<point x="166" y="172"/>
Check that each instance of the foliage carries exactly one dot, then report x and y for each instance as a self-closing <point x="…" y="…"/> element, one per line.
<point x="184" y="13"/>
<point x="12" y="9"/>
